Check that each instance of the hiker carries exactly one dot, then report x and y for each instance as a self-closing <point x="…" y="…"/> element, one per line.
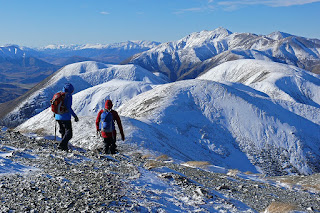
<point x="64" y="119"/>
<point x="106" y="127"/>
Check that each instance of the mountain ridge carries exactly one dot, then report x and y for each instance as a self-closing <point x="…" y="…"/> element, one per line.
<point x="176" y="58"/>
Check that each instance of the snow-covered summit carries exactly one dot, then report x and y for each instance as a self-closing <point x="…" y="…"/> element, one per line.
<point x="279" y="81"/>
<point x="96" y="73"/>
<point x="177" y="58"/>
<point x="171" y="57"/>
<point x="278" y="35"/>
<point x="199" y="39"/>
<point x="193" y="41"/>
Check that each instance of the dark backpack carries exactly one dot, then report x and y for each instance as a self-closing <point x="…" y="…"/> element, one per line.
<point x="107" y="123"/>
<point x="57" y="103"/>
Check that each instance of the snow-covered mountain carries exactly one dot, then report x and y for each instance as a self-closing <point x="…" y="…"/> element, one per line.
<point x="229" y="124"/>
<point x="107" y="53"/>
<point x="54" y="54"/>
<point x="230" y="127"/>
<point x="278" y="81"/>
<point x="278" y="35"/>
<point x="92" y="51"/>
<point x="121" y="45"/>
<point x="83" y="75"/>
<point x="197" y="52"/>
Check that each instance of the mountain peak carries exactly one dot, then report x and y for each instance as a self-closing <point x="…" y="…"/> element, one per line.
<point x="197" y="39"/>
<point x="278" y="35"/>
<point x="213" y="34"/>
<point x="222" y="30"/>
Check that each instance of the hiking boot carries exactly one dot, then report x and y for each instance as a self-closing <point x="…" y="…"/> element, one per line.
<point x="63" y="148"/>
<point x="106" y="151"/>
<point x="113" y="151"/>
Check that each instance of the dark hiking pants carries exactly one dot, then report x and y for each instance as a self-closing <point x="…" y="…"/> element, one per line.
<point x="66" y="133"/>
<point x="110" y="145"/>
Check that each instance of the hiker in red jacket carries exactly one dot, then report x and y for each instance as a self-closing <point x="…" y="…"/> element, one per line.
<point x="105" y="125"/>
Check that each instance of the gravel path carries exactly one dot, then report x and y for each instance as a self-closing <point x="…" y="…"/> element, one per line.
<point x="128" y="182"/>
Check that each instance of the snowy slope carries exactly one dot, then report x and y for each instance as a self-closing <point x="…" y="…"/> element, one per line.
<point x="82" y="75"/>
<point x="278" y="35"/>
<point x="178" y="57"/>
<point x="93" y="99"/>
<point x="227" y="125"/>
<point x="172" y="57"/>
<point x="279" y="81"/>
<point x="94" y="73"/>
<point x="206" y="120"/>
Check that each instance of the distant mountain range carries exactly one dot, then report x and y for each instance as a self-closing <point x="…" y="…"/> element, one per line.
<point x="198" y="52"/>
<point x="110" y="53"/>
<point x="20" y="71"/>
<point x="21" y="67"/>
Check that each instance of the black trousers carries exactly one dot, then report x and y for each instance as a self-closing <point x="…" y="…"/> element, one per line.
<point x="66" y="133"/>
<point x="110" y="145"/>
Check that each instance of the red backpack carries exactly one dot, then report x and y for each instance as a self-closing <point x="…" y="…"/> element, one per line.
<point x="57" y="103"/>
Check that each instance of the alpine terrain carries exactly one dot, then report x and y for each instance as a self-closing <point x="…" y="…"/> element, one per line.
<point x="200" y="51"/>
<point x="204" y="132"/>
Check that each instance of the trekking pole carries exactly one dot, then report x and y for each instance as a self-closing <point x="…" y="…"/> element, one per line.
<point x="55" y="130"/>
<point x="98" y="134"/>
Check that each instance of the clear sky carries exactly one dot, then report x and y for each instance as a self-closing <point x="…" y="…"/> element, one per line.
<point x="36" y="23"/>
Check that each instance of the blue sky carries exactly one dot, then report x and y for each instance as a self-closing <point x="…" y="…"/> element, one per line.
<point x="36" y="23"/>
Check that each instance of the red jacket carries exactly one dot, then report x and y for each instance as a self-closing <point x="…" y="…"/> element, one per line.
<point x="115" y="118"/>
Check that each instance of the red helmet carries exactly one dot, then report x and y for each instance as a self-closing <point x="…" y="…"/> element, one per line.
<point x="108" y="104"/>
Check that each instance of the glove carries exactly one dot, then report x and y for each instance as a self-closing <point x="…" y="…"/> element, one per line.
<point x="76" y="119"/>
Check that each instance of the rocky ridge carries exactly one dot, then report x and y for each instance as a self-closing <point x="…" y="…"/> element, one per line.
<point x="131" y="181"/>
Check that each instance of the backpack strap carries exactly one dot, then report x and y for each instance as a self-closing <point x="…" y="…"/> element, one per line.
<point x="106" y="110"/>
